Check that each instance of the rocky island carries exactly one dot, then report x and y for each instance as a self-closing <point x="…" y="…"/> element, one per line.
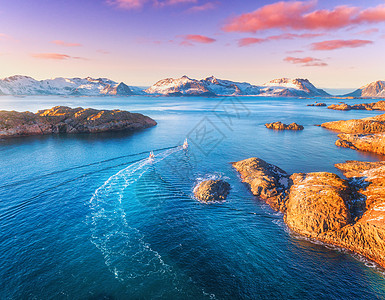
<point x="281" y="126"/>
<point x="322" y="206"/>
<point x="379" y="105"/>
<point x="62" y="119"/>
<point x="212" y="190"/>
<point x="366" y="134"/>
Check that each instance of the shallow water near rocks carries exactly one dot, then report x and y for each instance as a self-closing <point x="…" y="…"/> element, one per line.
<point x="89" y="217"/>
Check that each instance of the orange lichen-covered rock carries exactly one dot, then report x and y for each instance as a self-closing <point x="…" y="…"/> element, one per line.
<point x="366" y="134"/>
<point x="318" y="202"/>
<point x="265" y="180"/>
<point x="62" y="119"/>
<point x="346" y="213"/>
<point x="281" y="126"/>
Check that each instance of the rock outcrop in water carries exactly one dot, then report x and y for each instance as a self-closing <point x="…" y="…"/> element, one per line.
<point x="346" y="213"/>
<point x="62" y="119"/>
<point x="281" y="126"/>
<point x="265" y="180"/>
<point x="366" y="134"/>
<point x="380" y="105"/>
<point x="212" y="190"/>
<point x="317" y="104"/>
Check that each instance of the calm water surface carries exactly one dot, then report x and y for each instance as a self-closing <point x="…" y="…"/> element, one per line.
<point x="88" y="217"/>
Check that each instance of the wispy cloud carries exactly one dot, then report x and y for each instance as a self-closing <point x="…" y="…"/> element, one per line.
<point x="338" y="44"/>
<point x="126" y="4"/>
<point x="285" y="36"/>
<point x="101" y="51"/>
<point x="250" y="41"/>
<point x="306" y="61"/>
<point x="368" y="31"/>
<point x="303" y="16"/>
<point x="137" y="4"/>
<point x="190" y="39"/>
<point x="65" y="44"/>
<point x="56" y="56"/>
<point x="202" y="7"/>
<point x="163" y="3"/>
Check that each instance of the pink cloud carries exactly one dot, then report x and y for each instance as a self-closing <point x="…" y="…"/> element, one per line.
<point x="103" y="51"/>
<point x="369" y="31"/>
<point x="127" y="4"/>
<point x="294" y="51"/>
<point x="196" y="38"/>
<point x="337" y="44"/>
<point x="291" y="36"/>
<point x="250" y="41"/>
<point x="137" y="4"/>
<point x="298" y="15"/>
<point x="171" y="2"/>
<point x="65" y="44"/>
<point x="306" y="61"/>
<point x="4" y="36"/>
<point x="56" y="56"/>
<point x="203" y="7"/>
<point x="285" y="36"/>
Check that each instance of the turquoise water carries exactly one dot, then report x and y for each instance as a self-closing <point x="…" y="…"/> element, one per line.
<point x="88" y="217"/>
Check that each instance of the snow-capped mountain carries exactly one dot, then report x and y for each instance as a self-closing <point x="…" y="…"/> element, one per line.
<point x="373" y="89"/>
<point x="212" y="86"/>
<point x="292" y="88"/>
<point x="227" y="88"/>
<point x="183" y="86"/>
<point x="24" y="85"/>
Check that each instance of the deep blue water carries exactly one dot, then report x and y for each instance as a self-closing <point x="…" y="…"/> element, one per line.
<point x="88" y="217"/>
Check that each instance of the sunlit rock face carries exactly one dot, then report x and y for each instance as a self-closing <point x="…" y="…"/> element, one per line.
<point x="62" y="119"/>
<point x="366" y="134"/>
<point x="321" y="205"/>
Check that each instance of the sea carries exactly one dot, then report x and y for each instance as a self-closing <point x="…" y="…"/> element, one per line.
<point x="88" y="216"/>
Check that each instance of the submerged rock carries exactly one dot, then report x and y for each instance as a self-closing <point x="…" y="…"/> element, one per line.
<point x="366" y="134"/>
<point x="212" y="190"/>
<point x="281" y="126"/>
<point x="347" y="213"/>
<point x="62" y="119"/>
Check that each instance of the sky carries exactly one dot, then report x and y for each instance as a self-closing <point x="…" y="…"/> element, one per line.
<point x="334" y="44"/>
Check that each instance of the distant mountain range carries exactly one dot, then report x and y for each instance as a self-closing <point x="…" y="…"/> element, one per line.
<point x="212" y="86"/>
<point x="184" y="86"/>
<point x="374" y="89"/>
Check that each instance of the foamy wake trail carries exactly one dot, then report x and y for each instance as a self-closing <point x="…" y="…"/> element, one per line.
<point x="125" y="252"/>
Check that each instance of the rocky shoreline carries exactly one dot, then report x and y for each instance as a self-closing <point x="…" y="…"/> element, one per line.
<point x="62" y="119"/>
<point x="379" y="105"/>
<point x="347" y="213"/>
<point x="366" y="134"/>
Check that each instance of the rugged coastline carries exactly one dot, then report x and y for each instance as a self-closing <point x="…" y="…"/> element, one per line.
<point x="366" y="134"/>
<point x="62" y="119"/>
<point x="347" y="213"/>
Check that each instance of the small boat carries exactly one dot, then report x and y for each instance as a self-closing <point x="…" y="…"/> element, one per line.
<point x="185" y="144"/>
<point x="151" y="156"/>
